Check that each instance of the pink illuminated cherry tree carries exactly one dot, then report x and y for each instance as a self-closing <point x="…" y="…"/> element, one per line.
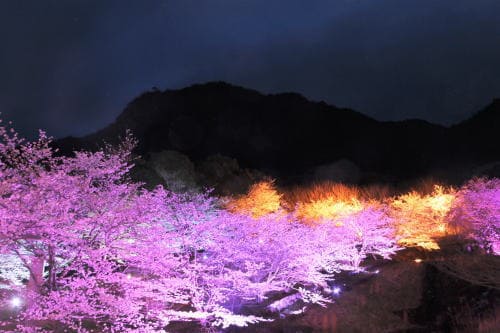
<point x="78" y="229"/>
<point x="101" y="253"/>
<point x="476" y="212"/>
<point x="98" y="251"/>
<point x="251" y="258"/>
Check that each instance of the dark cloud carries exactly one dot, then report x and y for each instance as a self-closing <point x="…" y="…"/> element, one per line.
<point x="71" y="66"/>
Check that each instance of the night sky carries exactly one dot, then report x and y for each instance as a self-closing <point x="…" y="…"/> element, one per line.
<point x="71" y="66"/>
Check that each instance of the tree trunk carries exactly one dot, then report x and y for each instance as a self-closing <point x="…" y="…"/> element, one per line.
<point x="36" y="274"/>
<point x="52" y="269"/>
<point x="34" y="285"/>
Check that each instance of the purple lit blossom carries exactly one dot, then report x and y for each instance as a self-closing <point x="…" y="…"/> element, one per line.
<point x="95" y="246"/>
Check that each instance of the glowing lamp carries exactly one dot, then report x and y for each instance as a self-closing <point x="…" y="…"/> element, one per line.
<point x="15" y="302"/>
<point x="418" y="260"/>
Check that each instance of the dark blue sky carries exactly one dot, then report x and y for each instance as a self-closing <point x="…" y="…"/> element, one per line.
<point x="70" y="66"/>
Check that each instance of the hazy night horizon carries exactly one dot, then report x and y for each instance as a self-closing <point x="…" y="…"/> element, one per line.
<point x="71" y="67"/>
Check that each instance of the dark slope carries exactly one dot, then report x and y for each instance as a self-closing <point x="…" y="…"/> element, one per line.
<point x="479" y="136"/>
<point x="286" y="135"/>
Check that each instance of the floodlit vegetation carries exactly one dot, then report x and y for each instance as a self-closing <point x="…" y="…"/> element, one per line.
<point x="476" y="212"/>
<point x="422" y="218"/>
<point x="419" y="219"/>
<point x="327" y="209"/>
<point x="262" y="199"/>
<point x="83" y="248"/>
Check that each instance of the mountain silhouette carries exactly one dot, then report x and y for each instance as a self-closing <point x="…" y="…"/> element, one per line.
<point x="286" y="136"/>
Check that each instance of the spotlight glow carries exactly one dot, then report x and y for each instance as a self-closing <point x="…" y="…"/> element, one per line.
<point x="336" y="290"/>
<point x="15" y="302"/>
